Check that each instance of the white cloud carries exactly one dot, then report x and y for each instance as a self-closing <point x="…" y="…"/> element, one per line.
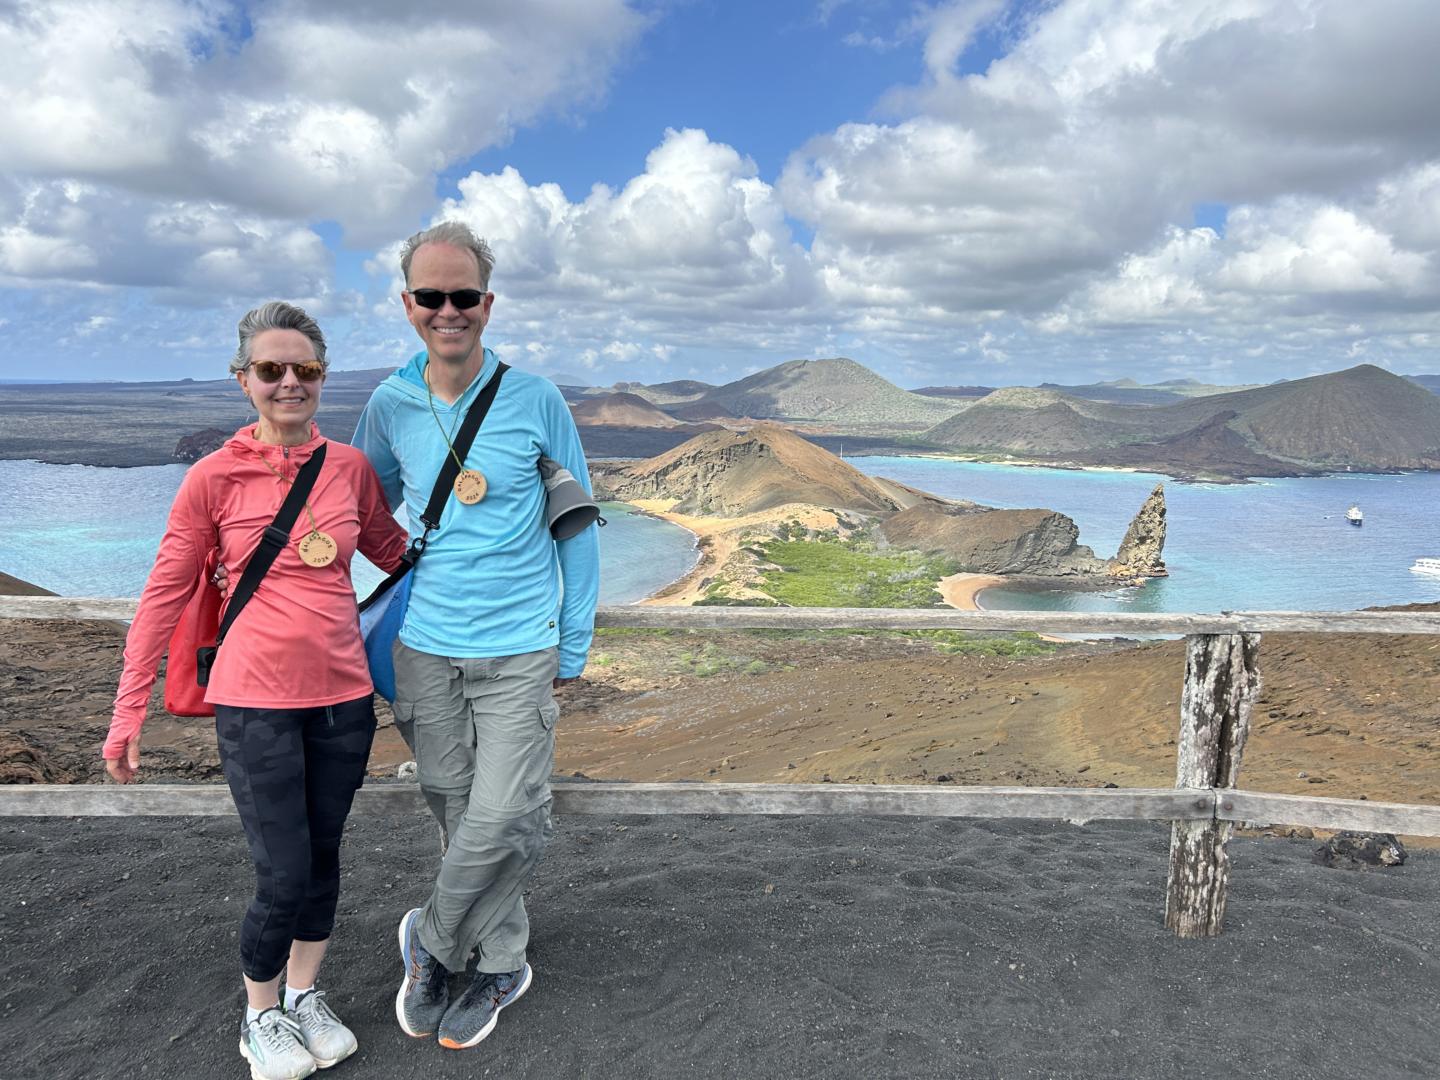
<point x="301" y="109"/>
<point x="1040" y="213"/>
<point x="1305" y="262"/>
<point x="695" y="247"/>
<point x="1322" y="250"/>
<point x="188" y="252"/>
<point x="1055" y="189"/>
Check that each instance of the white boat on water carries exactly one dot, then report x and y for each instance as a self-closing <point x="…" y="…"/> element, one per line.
<point x="1426" y="566"/>
<point x="1354" y="516"/>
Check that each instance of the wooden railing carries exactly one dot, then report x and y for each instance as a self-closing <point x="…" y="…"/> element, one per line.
<point x="1221" y="683"/>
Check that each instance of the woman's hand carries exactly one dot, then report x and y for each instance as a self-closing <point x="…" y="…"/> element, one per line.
<point x="124" y="768"/>
<point x="221" y="579"/>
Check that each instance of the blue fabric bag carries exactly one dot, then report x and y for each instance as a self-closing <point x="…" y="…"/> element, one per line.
<point x="381" y="617"/>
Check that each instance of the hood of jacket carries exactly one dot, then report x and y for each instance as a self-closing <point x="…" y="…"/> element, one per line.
<point x="244" y="444"/>
<point x="410" y="379"/>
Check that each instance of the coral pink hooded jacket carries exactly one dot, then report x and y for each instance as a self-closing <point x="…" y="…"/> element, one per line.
<point x="297" y="642"/>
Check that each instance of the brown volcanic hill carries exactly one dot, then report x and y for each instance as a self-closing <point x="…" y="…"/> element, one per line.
<point x="1211" y="447"/>
<point x="834" y="391"/>
<point x="986" y="541"/>
<point x="966" y="392"/>
<point x="731" y="473"/>
<point x="700" y="410"/>
<point x="1022" y="420"/>
<point x="666" y="393"/>
<point x="1363" y="417"/>
<point x="621" y="410"/>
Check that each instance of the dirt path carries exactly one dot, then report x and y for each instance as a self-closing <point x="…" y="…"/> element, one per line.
<point x="1342" y="715"/>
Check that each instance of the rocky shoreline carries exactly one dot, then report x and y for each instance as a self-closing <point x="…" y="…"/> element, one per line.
<point x="738" y="491"/>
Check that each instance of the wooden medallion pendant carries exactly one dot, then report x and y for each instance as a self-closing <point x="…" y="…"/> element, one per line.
<point x="470" y="486"/>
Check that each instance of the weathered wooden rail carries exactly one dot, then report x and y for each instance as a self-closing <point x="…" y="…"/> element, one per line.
<point x="1221" y="683"/>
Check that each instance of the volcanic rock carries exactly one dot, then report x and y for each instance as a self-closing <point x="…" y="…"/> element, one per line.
<point x="1140" y="551"/>
<point x="730" y="473"/>
<point x="984" y="541"/>
<point x="1356" y="851"/>
<point x="623" y="410"/>
<point x="194" y="447"/>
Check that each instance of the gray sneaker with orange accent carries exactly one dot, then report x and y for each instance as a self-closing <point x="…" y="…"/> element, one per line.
<point x="473" y="1017"/>
<point x="425" y="992"/>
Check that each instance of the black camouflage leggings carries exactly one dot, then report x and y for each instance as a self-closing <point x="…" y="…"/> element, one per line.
<point x="293" y="773"/>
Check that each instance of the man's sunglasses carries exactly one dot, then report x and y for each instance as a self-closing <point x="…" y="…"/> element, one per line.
<point x="274" y="370"/>
<point x="434" y="299"/>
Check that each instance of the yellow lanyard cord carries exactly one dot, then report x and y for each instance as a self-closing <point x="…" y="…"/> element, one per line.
<point x="449" y="439"/>
<point x="313" y="527"/>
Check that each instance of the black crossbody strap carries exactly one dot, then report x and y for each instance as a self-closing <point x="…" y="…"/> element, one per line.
<point x="276" y="536"/>
<point x="444" y="484"/>
<point x="474" y="417"/>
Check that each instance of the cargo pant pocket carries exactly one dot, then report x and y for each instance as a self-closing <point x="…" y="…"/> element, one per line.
<point x="444" y="750"/>
<point x="543" y="764"/>
<point x="513" y="759"/>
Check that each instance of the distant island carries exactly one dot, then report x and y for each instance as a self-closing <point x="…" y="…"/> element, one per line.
<point x="1362" y="419"/>
<point x="765" y="497"/>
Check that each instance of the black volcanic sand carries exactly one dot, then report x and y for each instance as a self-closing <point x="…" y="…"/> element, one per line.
<point x="755" y="947"/>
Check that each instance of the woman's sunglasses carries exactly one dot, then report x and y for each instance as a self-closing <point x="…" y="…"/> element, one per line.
<point x="274" y="370"/>
<point x="434" y="299"/>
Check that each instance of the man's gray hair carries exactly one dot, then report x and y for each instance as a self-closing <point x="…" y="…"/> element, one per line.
<point x="276" y="315"/>
<point x="456" y="234"/>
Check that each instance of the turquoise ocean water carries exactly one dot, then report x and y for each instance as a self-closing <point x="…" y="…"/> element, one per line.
<point x="1274" y="545"/>
<point x="80" y="530"/>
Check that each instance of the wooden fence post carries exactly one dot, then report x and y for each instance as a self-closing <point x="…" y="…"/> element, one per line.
<point x="1222" y="680"/>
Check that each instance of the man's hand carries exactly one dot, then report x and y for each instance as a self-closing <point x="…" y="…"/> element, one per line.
<point x="124" y="768"/>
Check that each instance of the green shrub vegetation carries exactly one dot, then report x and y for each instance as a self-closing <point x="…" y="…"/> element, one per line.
<point x="710" y="659"/>
<point x="823" y="570"/>
<point x="830" y="573"/>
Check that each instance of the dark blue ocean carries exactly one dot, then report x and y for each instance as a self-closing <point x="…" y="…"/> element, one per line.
<point x="80" y="530"/>
<point x="1273" y="545"/>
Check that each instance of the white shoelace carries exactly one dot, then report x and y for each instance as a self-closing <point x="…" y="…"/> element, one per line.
<point x="278" y="1033"/>
<point x="316" y="1012"/>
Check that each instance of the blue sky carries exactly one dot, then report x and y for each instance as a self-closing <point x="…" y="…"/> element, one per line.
<point x="969" y="191"/>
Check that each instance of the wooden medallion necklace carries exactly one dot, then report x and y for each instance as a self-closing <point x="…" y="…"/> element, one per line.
<point x="470" y="484"/>
<point x="317" y="548"/>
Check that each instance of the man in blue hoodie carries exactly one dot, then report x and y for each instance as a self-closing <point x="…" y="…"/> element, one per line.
<point x="499" y="614"/>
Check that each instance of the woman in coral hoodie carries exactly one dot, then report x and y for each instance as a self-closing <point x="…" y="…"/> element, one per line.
<point x="290" y="685"/>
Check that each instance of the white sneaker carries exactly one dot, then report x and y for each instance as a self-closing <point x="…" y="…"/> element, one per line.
<point x="328" y="1040"/>
<point x="271" y="1043"/>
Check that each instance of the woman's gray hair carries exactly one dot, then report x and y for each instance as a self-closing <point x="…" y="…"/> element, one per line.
<point x="276" y="315"/>
<point x="456" y="234"/>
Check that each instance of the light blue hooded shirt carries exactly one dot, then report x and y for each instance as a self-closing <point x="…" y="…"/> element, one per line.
<point x="490" y="582"/>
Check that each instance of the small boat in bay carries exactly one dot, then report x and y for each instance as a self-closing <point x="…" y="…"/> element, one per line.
<point x="1426" y="566"/>
<point x="1354" y="516"/>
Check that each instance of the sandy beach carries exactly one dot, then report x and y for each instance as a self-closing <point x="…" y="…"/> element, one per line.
<point x="717" y="539"/>
<point x="963" y="590"/>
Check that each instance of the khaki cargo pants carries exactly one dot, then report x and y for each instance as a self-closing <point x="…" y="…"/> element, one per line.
<point x="483" y="734"/>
